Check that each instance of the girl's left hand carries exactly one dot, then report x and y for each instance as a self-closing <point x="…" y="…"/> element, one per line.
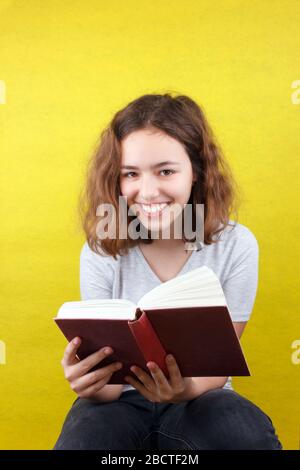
<point x="157" y="388"/>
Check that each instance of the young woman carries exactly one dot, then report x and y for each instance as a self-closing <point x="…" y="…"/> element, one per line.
<point x="158" y="153"/>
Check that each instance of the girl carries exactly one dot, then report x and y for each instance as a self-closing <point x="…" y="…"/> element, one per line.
<point x="158" y="153"/>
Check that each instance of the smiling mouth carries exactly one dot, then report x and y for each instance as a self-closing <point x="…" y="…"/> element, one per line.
<point x="152" y="210"/>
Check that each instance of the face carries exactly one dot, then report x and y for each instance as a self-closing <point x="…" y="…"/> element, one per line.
<point x="147" y="180"/>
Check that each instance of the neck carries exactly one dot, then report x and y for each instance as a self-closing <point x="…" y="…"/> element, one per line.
<point x="168" y="244"/>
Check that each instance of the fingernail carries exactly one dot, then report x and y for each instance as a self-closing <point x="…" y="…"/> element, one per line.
<point x="169" y="358"/>
<point x="76" y="341"/>
<point x="107" y="351"/>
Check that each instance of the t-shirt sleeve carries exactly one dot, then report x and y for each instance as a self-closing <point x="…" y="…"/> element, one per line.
<point x="95" y="275"/>
<point x="240" y="286"/>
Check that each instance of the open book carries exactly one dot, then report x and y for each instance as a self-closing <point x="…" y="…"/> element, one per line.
<point x="186" y="316"/>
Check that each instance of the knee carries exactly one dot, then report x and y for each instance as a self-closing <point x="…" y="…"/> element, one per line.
<point x="101" y="426"/>
<point x="233" y="422"/>
<point x="88" y="425"/>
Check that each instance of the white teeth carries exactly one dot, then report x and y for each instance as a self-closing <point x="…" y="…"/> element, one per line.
<point x="153" y="208"/>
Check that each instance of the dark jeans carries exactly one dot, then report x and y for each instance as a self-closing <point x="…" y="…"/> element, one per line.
<point x="218" y="419"/>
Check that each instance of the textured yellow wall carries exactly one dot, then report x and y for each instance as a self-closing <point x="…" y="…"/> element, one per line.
<point x="65" y="68"/>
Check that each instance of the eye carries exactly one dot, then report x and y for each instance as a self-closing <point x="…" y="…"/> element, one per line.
<point x="172" y="171"/>
<point x="129" y="173"/>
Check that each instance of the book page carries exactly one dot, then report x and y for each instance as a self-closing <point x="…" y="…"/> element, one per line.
<point x="116" y="309"/>
<point x="199" y="287"/>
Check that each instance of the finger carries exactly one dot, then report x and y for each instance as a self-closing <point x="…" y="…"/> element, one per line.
<point x="143" y="377"/>
<point x="94" y="377"/>
<point x="176" y="378"/>
<point x="90" y="391"/>
<point x="70" y="352"/>
<point x="159" y="377"/>
<point x="140" y="388"/>
<point x="93" y="359"/>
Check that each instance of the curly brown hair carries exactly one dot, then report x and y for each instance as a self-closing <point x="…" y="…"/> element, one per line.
<point x="181" y="118"/>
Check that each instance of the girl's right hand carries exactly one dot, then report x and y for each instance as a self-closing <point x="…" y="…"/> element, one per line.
<point x="84" y="383"/>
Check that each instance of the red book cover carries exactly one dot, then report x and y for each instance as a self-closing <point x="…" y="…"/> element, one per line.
<point x="201" y="338"/>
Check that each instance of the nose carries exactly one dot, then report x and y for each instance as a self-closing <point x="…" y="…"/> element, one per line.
<point x="148" y="189"/>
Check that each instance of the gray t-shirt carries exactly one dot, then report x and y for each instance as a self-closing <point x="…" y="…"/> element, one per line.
<point x="234" y="259"/>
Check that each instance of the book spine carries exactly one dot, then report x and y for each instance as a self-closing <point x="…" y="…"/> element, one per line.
<point x="148" y="342"/>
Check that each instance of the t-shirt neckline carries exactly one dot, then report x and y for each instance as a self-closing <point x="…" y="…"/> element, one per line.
<point x="150" y="270"/>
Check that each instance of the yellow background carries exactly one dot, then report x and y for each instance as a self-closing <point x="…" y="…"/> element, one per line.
<point x="68" y="67"/>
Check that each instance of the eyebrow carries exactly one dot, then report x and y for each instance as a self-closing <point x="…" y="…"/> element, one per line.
<point x="167" y="162"/>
